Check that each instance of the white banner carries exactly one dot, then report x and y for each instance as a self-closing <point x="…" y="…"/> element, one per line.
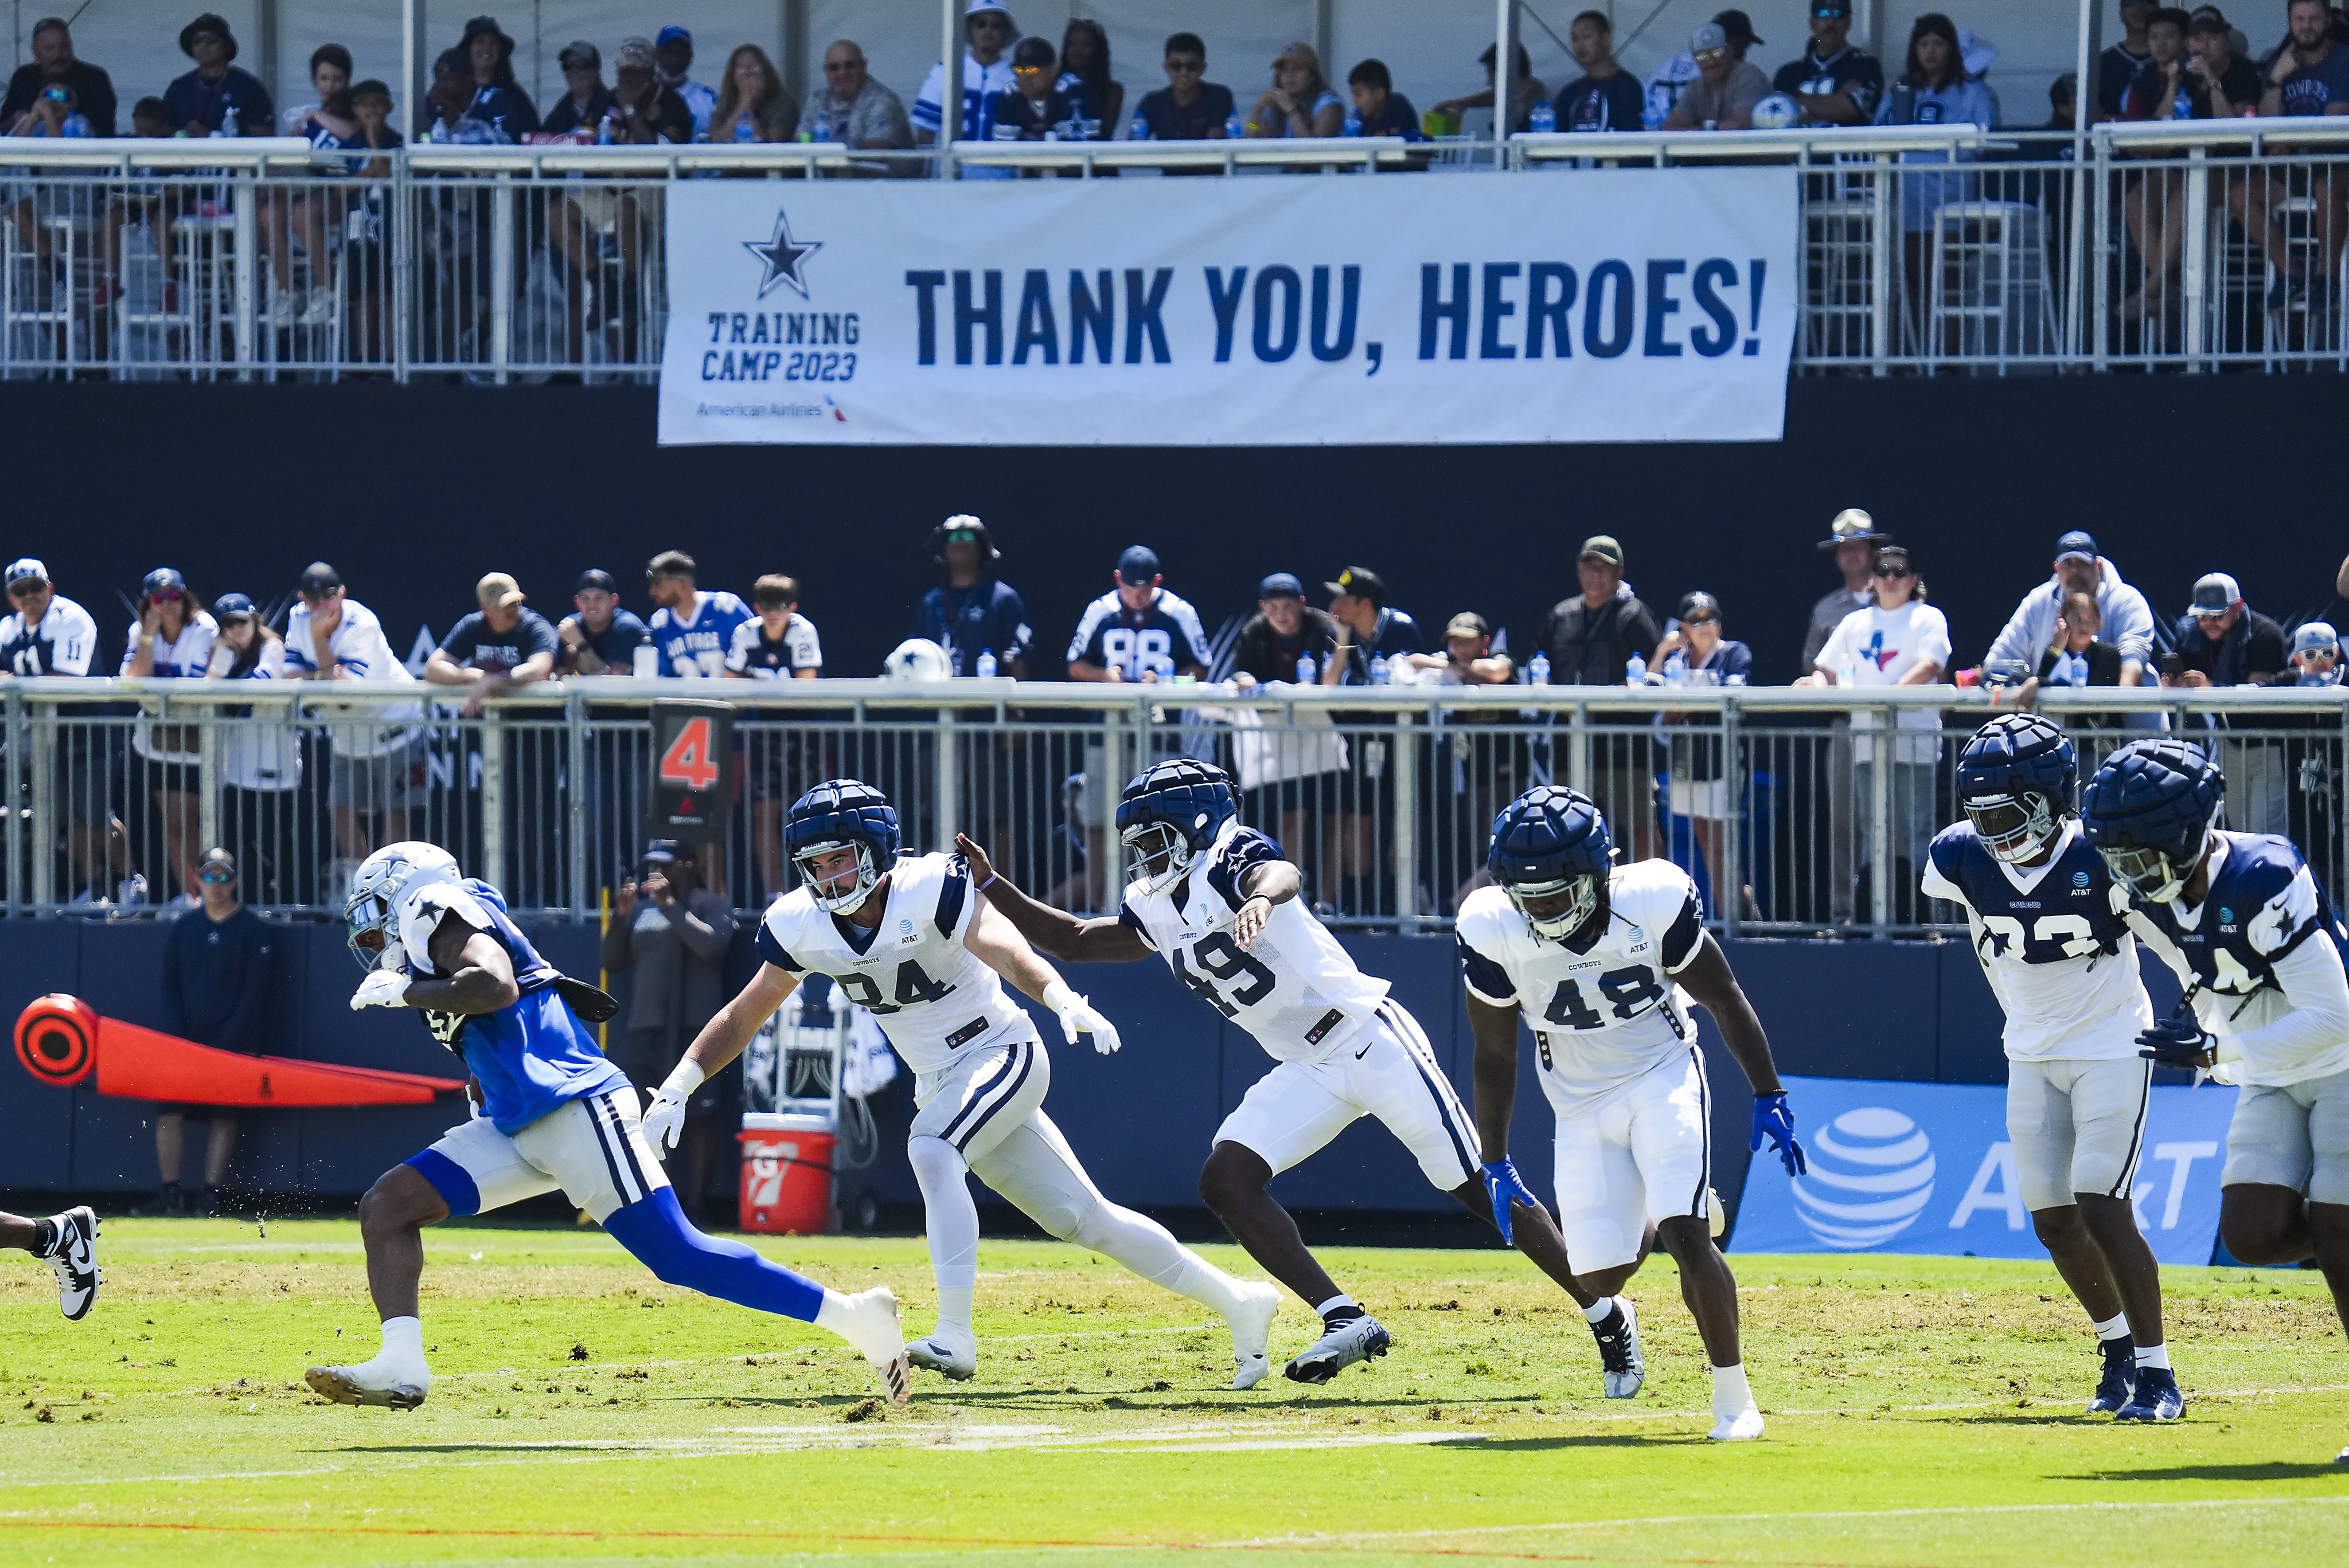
<point x="1585" y="306"/>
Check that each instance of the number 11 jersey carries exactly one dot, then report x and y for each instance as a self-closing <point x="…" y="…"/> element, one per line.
<point x="1295" y="989"/>
<point x="1607" y="1013"/>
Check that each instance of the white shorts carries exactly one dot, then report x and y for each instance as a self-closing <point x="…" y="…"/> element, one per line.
<point x="592" y="1149"/>
<point x="1386" y="1070"/>
<point x="2077" y="1125"/>
<point x="976" y="1103"/>
<point x="1641" y="1152"/>
<point x="2295" y="1137"/>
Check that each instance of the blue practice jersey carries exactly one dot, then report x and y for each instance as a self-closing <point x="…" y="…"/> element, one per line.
<point x="2266" y="905"/>
<point x="531" y="1057"/>
<point x="699" y="647"/>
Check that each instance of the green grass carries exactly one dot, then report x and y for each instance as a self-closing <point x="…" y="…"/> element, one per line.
<point x="1922" y="1411"/>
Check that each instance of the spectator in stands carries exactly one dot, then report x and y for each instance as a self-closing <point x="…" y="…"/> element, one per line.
<point x="1468" y="658"/>
<point x="1606" y="97"/>
<point x="694" y="631"/>
<point x="1832" y="82"/>
<point x="220" y="974"/>
<point x="377" y="772"/>
<point x="645" y="112"/>
<point x="2079" y="657"/>
<point x="304" y="212"/>
<point x="1286" y="639"/>
<point x="1189" y="108"/>
<point x="2316" y="654"/>
<point x="2209" y="83"/>
<point x="1368" y="632"/>
<point x="973" y="613"/>
<point x="1590" y="640"/>
<point x="2223" y="642"/>
<point x="1084" y="56"/>
<point x="986" y="71"/>
<point x="1900" y="640"/>
<point x="1526" y="89"/>
<point x="598" y="637"/>
<point x="1379" y="109"/>
<point x="1726" y="88"/>
<point x="781" y="644"/>
<point x="216" y="94"/>
<point x="53" y="64"/>
<point x="330" y="77"/>
<point x="1300" y="102"/>
<point x="752" y="103"/>
<point x="260" y="762"/>
<point x="501" y="646"/>
<point x="673" y="933"/>
<point x="1483" y="768"/>
<point x="1695" y="653"/>
<point x="1673" y="76"/>
<point x="672" y="58"/>
<point x="585" y="100"/>
<point x="56" y="112"/>
<point x="1043" y="105"/>
<point x="2309" y="76"/>
<point x="1933" y="90"/>
<point x="2231" y="86"/>
<point x="453" y="122"/>
<point x="497" y="99"/>
<point x="171" y="638"/>
<point x="1854" y="538"/>
<point x="2118" y="67"/>
<point x="46" y="634"/>
<point x="2064" y="103"/>
<point x="852" y="107"/>
<point x="2123" y="614"/>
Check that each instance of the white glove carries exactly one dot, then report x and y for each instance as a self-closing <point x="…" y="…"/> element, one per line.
<point x="381" y="988"/>
<point x="1077" y="1015"/>
<point x="665" y="1118"/>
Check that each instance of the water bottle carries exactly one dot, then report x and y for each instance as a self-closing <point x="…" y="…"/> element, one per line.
<point x="228" y="126"/>
<point x="1139" y="130"/>
<point x="1235" y="128"/>
<point x="1651" y="114"/>
<point x="986" y="665"/>
<point x="1635" y="671"/>
<point x="1305" y="669"/>
<point x="1675" y="666"/>
<point x="1545" y="116"/>
<point x="1353" y="126"/>
<point x="1538" y="669"/>
<point x="1380" y="672"/>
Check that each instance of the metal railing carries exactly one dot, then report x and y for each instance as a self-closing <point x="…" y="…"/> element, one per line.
<point x="1797" y="811"/>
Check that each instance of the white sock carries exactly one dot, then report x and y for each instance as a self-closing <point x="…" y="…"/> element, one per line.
<point x="857" y="1328"/>
<point x="954" y="1313"/>
<point x="2153" y="1355"/>
<point x="402" y="1359"/>
<point x="2114" y="1327"/>
<point x="953" y="1220"/>
<point x="1730" y="1392"/>
<point x="1598" y="1311"/>
<point x="1335" y="1302"/>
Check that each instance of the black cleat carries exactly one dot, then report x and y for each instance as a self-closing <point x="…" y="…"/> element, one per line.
<point x="2119" y="1381"/>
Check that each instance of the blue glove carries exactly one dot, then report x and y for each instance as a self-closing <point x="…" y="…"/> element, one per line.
<point x="1774" y="1121"/>
<point x="1502" y="1185"/>
<point x="2178" y="1041"/>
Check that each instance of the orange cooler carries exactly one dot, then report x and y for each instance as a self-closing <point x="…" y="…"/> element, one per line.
<point x="787" y="1173"/>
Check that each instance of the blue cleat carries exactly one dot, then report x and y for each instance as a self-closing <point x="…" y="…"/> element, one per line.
<point x="2112" y="1389"/>
<point x="2156" y="1398"/>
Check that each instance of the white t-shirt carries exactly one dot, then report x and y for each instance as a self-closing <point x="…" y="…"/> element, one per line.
<point x="182" y="659"/>
<point x="62" y="643"/>
<point x="1876" y="647"/>
<point x="361" y="651"/>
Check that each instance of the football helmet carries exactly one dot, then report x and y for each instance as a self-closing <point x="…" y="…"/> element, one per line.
<point x="383" y="880"/>
<point x="1169" y="816"/>
<point x="2149" y="812"/>
<point x="918" y="659"/>
<point x="1550" y="840"/>
<point x="2016" y="779"/>
<point x="840" y="814"/>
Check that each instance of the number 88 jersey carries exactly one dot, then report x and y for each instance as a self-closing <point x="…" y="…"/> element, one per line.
<point x="1606" y="1013"/>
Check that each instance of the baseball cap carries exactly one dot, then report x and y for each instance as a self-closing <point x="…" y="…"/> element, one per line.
<point x="2208" y="19"/>
<point x="1467" y="623"/>
<point x="1705" y="37"/>
<point x="1280" y="585"/>
<point x="498" y="590"/>
<point x="160" y="578"/>
<point x="1700" y="606"/>
<point x="1138" y="566"/>
<point x="595" y="577"/>
<point x="1033" y="51"/>
<point x="2076" y="544"/>
<point x="2316" y="637"/>
<point x="2215" y="593"/>
<point x="672" y="34"/>
<point x="28" y="569"/>
<point x="580" y="51"/>
<point x="1361" y="582"/>
<point x="233" y="607"/>
<point x="320" y="578"/>
<point x="1604" y="547"/>
<point x="1849" y="524"/>
<point x="978" y="8"/>
<point x="216" y="856"/>
<point x="663" y="851"/>
<point x="1738" y="26"/>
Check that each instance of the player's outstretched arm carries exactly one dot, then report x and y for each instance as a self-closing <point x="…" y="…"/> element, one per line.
<point x="995" y="942"/>
<point x="1262" y="886"/>
<point x="1711" y="984"/>
<point x="721" y="1039"/>
<point x="481" y="976"/>
<point x="1495" y="1031"/>
<point x="1055" y="931"/>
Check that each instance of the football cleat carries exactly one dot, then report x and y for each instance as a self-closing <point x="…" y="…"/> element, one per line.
<point x="2112" y="1389"/>
<point x="370" y="1384"/>
<point x="1624" y="1369"/>
<point x="1251" y="1334"/>
<point x="956" y="1362"/>
<point x="2158" y="1398"/>
<point x="879" y="1334"/>
<point x="74" y="1256"/>
<point x="1339" y="1349"/>
<point x="1742" y="1427"/>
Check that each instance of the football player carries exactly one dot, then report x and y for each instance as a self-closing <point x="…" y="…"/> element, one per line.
<point x="553" y="1113"/>
<point x="1605" y="961"/>
<point x="68" y="1242"/>
<point x="2050" y="926"/>
<point x="906" y="941"/>
<point x="1216" y="899"/>
<point x="2242" y="921"/>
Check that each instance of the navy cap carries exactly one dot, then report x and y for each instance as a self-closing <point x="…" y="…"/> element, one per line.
<point x="320" y="578"/>
<point x="2075" y="543"/>
<point x="163" y="577"/>
<point x="664" y="851"/>
<point x="595" y="577"/>
<point x="672" y="34"/>
<point x="28" y="569"/>
<point x="1138" y="566"/>
<point x="233" y="607"/>
<point x="2215" y="593"/>
<point x="1280" y="585"/>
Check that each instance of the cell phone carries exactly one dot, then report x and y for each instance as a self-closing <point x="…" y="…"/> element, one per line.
<point x="58" y="94"/>
<point x="2172" y="666"/>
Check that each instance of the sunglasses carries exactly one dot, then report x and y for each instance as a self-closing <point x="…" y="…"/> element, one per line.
<point x="27" y="590"/>
<point x="1700" y="621"/>
<point x="1706" y="57"/>
<point x="215" y="878"/>
<point x="1895" y="572"/>
<point x="163" y="595"/>
<point x="1030" y="70"/>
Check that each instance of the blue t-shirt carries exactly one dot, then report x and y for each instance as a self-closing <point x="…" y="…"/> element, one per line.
<point x="616" y="644"/>
<point x="987" y="616"/>
<point x="2310" y="88"/>
<point x="1396" y="634"/>
<point x="508" y="109"/>
<point x="699" y="648"/>
<point x="208" y="104"/>
<point x="473" y="644"/>
<point x="1397" y="119"/>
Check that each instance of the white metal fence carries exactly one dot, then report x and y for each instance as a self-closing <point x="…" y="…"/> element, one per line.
<point x="2194" y="246"/>
<point x="1799" y="811"/>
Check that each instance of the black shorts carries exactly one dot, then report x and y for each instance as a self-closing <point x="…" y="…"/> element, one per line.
<point x="149" y="777"/>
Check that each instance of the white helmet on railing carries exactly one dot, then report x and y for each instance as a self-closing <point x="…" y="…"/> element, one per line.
<point x="918" y="659"/>
<point x="382" y="880"/>
<point x="1776" y="112"/>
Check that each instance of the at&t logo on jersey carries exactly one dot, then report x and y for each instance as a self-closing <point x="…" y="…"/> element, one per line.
<point x="1871" y="1175"/>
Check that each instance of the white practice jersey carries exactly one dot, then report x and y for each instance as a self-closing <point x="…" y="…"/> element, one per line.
<point x="1295" y="989"/>
<point x="2053" y="941"/>
<point x="1609" y="1012"/>
<point x="930" y="994"/>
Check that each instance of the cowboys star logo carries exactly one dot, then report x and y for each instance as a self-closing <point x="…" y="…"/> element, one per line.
<point x="781" y="257"/>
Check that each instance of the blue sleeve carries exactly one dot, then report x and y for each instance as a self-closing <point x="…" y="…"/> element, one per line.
<point x="1684" y="936"/>
<point x="1484" y="976"/>
<point x="929" y="617"/>
<point x="1736" y="659"/>
<point x="1248" y="850"/>
<point x="771" y="951"/>
<point x="1126" y="917"/>
<point x="954" y="888"/>
<point x="1011" y="615"/>
<point x="463" y="638"/>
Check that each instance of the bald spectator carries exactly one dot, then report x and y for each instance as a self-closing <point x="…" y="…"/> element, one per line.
<point x="1854" y="538"/>
<point x="853" y="107"/>
<point x="2031" y="632"/>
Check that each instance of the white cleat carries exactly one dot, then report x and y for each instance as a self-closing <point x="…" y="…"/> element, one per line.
<point x="74" y="1256"/>
<point x="1251" y="1328"/>
<point x="951" y="1356"/>
<point x="1742" y="1427"/>
<point x="876" y="1329"/>
<point x="1339" y="1349"/>
<point x="370" y="1384"/>
<point x="1622" y="1369"/>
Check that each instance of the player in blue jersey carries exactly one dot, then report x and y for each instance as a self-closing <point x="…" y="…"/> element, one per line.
<point x="2051" y="928"/>
<point x="694" y="630"/>
<point x="553" y="1113"/>
<point x="2242" y="921"/>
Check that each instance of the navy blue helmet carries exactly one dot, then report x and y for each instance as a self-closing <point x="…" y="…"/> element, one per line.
<point x="2149" y="810"/>
<point x="1169" y="817"/>
<point x="2016" y="779"/>
<point x="840" y="814"/>
<point x="1549" y="841"/>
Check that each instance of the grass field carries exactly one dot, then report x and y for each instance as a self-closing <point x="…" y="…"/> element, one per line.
<point x="1922" y="1411"/>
